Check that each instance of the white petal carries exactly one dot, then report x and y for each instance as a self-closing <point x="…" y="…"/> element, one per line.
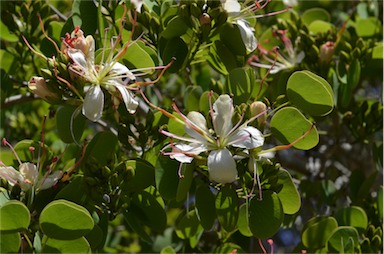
<point x="29" y="172"/>
<point x="222" y="166"/>
<point x="222" y="117"/>
<point x="50" y="180"/>
<point x="93" y="103"/>
<point x="130" y="103"/>
<point x="185" y="152"/>
<point x="246" y="137"/>
<point x="91" y="49"/>
<point x="78" y="57"/>
<point x="199" y="121"/>
<point x="11" y="175"/>
<point x="300" y="57"/>
<point x="247" y="35"/>
<point x="290" y="3"/>
<point x="232" y="7"/>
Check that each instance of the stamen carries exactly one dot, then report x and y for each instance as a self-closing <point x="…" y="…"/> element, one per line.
<point x="270" y="242"/>
<point x="266" y="75"/>
<point x="181" y="176"/>
<point x="262" y="247"/>
<point x="46" y="36"/>
<point x="5" y="143"/>
<point x="160" y="75"/>
<point x="32" y="49"/>
<point x="272" y="13"/>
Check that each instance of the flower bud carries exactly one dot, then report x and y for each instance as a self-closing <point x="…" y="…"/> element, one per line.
<point x="39" y="87"/>
<point x="326" y="52"/>
<point x="205" y="19"/>
<point x="256" y="108"/>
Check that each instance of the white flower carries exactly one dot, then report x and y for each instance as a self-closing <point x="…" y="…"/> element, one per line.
<point x="221" y="164"/>
<point x="39" y="87"/>
<point x="236" y="16"/>
<point x="290" y="3"/>
<point x="28" y="176"/>
<point x="109" y="74"/>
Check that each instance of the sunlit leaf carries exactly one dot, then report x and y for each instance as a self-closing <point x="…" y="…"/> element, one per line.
<point x="227" y="207"/>
<point x="317" y="230"/>
<point x="14" y="217"/>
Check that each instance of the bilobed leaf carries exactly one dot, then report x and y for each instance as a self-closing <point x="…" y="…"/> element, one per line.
<point x="65" y="220"/>
<point x="9" y="242"/>
<point x="289" y="124"/>
<point x="340" y="238"/>
<point x="314" y="14"/>
<point x="205" y="206"/>
<point x="266" y="215"/>
<point x="69" y="124"/>
<point x="227" y="207"/>
<point x="317" y="230"/>
<point x="167" y="179"/>
<point x="310" y="93"/>
<point x="79" y="245"/>
<point x="14" y="217"/>
<point x="353" y="216"/>
<point x="288" y="195"/>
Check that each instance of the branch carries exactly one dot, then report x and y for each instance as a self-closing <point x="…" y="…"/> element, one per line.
<point x="18" y="99"/>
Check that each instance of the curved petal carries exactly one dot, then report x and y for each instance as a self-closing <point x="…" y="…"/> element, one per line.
<point x="93" y="103"/>
<point x="246" y="137"/>
<point x="50" y="180"/>
<point x="130" y="103"/>
<point x="247" y="35"/>
<point x="90" y="49"/>
<point x="11" y="175"/>
<point x="78" y="57"/>
<point x="120" y="69"/>
<point x="231" y="6"/>
<point x="222" y="116"/>
<point x="198" y="120"/>
<point x="29" y="172"/>
<point x="187" y="152"/>
<point x="222" y="166"/>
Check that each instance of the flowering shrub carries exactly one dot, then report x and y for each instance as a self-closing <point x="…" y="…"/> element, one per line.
<point x="191" y="126"/>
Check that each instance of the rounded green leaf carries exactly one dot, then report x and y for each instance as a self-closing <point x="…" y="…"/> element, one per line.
<point x="289" y="124"/>
<point x="205" y="206"/>
<point x="184" y="182"/>
<point x="229" y="248"/>
<point x="6" y="35"/>
<point x="310" y="93"/>
<point x="288" y="195"/>
<point x="266" y="215"/>
<point x="227" y="207"/>
<point x="9" y="242"/>
<point x="240" y="83"/>
<point x="102" y="147"/>
<point x="353" y="216"/>
<point x="167" y="179"/>
<point x="243" y="223"/>
<point x="65" y="220"/>
<point x="167" y="250"/>
<point x="14" y="217"/>
<point x="137" y="57"/>
<point x="317" y="230"/>
<point x="79" y="245"/>
<point x="192" y="98"/>
<point x="175" y="48"/>
<point x="343" y="240"/>
<point x="231" y="37"/>
<point x="319" y="26"/>
<point x="188" y="226"/>
<point x="95" y="237"/>
<point x="368" y="27"/>
<point x="70" y="125"/>
<point x="144" y="174"/>
<point x="149" y="211"/>
<point x="175" y="28"/>
<point x="313" y="14"/>
<point x="136" y="225"/>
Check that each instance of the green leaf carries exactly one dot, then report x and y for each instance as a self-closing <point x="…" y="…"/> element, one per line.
<point x="102" y="147"/>
<point x="69" y="124"/>
<point x="84" y="15"/>
<point x="10" y="242"/>
<point x="175" y="28"/>
<point x="144" y="175"/>
<point x="149" y="211"/>
<point x="353" y="216"/>
<point x="137" y="57"/>
<point x="319" y="26"/>
<point x="266" y="215"/>
<point x="136" y="225"/>
<point x="240" y="83"/>
<point x="95" y="237"/>
<point x="74" y="191"/>
<point x="288" y="124"/>
<point x="231" y="37"/>
<point x="377" y="52"/>
<point x="185" y="182"/>
<point x="317" y="230"/>
<point x="188" y="226"/>
<point x="227" y="207"/>
<point x="340" y="239"/>
<point x="14" y="217"/>
<point x="6" y="35"/>
<point x="243" y="223"/>
<point x="79" y="245"/>
<point x="6" y="60"/>
<point x="167" y="250"/>
<point x="204" y="102"/>
<point x="192" y="97"/>
<point x="229" y="248"/>
<point x="205" y="206"/>
<point x="368" y="27"/>
<point x="215" y="61"/>
<point x="175" y="48"/>
<point x="380" y="201"/>
<point x="288" y="195"/>
<point x="353" y="76"/>
<point x="167" y="179"/>
<point x="222" y="54"/>
<point x="65" y="220"/>
<point x="314" y="14"/>
<point x="310" y="93"/>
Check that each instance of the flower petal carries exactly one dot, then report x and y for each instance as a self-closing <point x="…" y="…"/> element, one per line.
<point x="185" y="152"/>
<point x="222" y="116"/>
<point x="231" y="6"/>
<point x="78" y="57"/>
<point x="130" y="103"/>
<point x="247" y="35"/>
<point x="222" y="166"/>
<point x="198" y="121"/>
<point x="11" y="175"/>
<point x="29" y="172"/>
<point x="246" y="137"/>
<point x="50" y="180"/>
<point x="93" y="103"/>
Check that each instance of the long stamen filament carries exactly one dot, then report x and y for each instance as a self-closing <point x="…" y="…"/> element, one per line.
<point x="6" y="143"/>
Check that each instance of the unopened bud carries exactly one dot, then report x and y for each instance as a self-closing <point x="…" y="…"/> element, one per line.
<point x="326" y="52"/>
<point x="39" y="87"/>
<point x="257" y="108"/>
<point x="205" y="19"/>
